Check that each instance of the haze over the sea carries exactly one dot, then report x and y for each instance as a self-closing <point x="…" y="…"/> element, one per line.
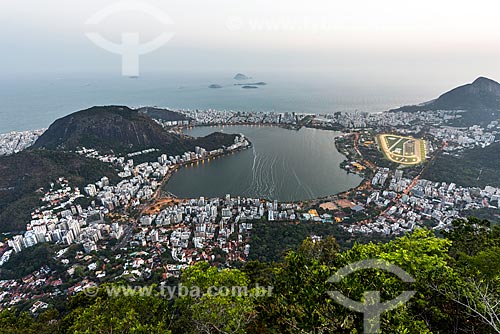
<point x="324" y="56"/>
<point x="32" y="102"/>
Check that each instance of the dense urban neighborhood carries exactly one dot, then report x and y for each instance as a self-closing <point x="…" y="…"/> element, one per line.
<point x="248" y="167"/>
<point x="135" y="230"/>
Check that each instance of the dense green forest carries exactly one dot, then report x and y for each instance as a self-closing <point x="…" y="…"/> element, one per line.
<point x="456" y="279"/>
<point x="271" y="241"/>
<point x="474" y="168"/>
<point x="23" y="174"/>
<point x="116" y="128"/>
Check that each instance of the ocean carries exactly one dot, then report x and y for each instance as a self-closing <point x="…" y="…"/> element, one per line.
<point x="34" y="101"/>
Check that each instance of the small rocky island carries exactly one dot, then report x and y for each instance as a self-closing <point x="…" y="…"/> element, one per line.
<point x="241" y="76"/>
<point x="260" y="83"/>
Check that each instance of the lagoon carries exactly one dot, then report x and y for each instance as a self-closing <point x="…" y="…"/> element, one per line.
<point x="283" y="165"/>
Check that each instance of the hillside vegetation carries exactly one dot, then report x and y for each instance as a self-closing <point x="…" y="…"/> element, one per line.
<point x="107" y="129"/>
<point x="457" y="280"/>
<point x="477" y="167"/>
<point x="120" y="129"/>
<point x="480" y="100"/>
<point x="23" y="173"/>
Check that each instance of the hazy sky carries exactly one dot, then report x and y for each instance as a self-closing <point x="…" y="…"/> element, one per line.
<point x="448" y="40"/>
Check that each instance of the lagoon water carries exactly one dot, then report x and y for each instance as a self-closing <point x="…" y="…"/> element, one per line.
<point x="285" y="165"/>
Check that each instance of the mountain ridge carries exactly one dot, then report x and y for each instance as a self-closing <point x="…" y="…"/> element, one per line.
<point x="120" y="129"/>
<point x="115" y="129"/>
<point x="480" y="100"/>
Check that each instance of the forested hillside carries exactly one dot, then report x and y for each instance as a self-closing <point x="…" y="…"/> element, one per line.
<point x="457" y="284"/>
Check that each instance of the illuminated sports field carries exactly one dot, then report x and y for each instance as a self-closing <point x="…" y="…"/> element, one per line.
<point x="402" y="150"/>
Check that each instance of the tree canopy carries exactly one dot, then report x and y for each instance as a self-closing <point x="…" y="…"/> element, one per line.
<point x="456" y="279"/>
